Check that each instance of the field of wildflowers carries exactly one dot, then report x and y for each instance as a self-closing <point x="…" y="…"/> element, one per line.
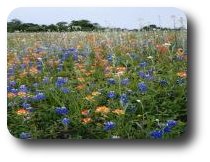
<point x="97" y="85"/>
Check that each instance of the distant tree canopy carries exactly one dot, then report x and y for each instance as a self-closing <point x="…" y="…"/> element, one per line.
<point x="16" y="25"/>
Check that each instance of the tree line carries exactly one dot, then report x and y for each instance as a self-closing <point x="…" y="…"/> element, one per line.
<point x="16" y="25"/>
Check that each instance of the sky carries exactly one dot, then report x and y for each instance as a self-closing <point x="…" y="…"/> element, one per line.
<point x="129" y="18"/>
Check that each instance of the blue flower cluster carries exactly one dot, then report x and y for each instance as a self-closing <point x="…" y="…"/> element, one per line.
<point x="61" y="110"/>
<point x="143" y="64"/>
<point x="110" y="57"/>
<point x="109" y="125"/>
<point x="70" y="52"/>
<point x="157" y="134"/>
<point x="12" y="83"/>
<point x="26" y="105"/>
<point x="65" y="90"/>
<point x="111" y="94"/>
<point x="111" y="81"/>
<point x="23" y="88"/>
<point x="163" y="83"/>
<point x="180" y="81"/>
<point x="146" y="75"/>
<point x="65" y="121"/>
<point x="125" y="81"/>
<point x="61" y="81"/>
<point x="142" y="87"/>
<point x="25" y="135"/>
<point x="46" y="80"/>
<point x="39" y="65"/>
<point x="39" y="96"/>
<point x="123" y="99"/>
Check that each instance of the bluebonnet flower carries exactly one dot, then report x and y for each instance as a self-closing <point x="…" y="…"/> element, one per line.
<point x="12" y="83"/>
<point x="163" y="82"/>
<point x="147" y="75"/>
<point x="23" y="88"/>
<point x="166" y="129"/>
<point x="131" y="109"/>
<point x="60" y="67"/>
<point x="39" y="65"/>
<point x="9" y="89"/>
<point x="26" y="105"/>
<point x="46" y="80"/>
<point x="150" y="71"/>
<point x="13" y="90"/>
<point x="142" y="74"/>
<point x="123" y="99"/>
<point x="10" y="71"/>
<point x="39" y="96"/>
<point x="156" y="134"/>
<point x="25" y="135"/>
<point x="30" y="109"/>
<point x="180" y="81"/>
<point x="75" y="56"/>
<point x="30" y="64"/>
<point x="109" y="125"/>
<point x="142" y="87"/>
<point x="125" y="81"/>
<point x="65" y="90"/>
<point x="61" y="110"/>
<point x="65" y="121"/>
<point x="111" y="94"/>
<point x="171" y="123"/>
<point x="72" y="49"/>
<point x="61" y="81"/>
<point x="143" y="64"/>
<point x="111" y="81"/>
<point x="65" y="55"/>
<point x="110" y="58"/>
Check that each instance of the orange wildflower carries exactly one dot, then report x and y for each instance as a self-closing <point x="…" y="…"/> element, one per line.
<point x="21" y="111"/>
<point x="33" y="70"/>
<point x="96" y="93"/>
<point x="81" y="79"/>
<point x="180" y="52"/>
<point x="86" y="120"/>
<point x="162" y="49"/>
<point x="79" y="66"/>
<point x="82" y="70"/>
<point x="80" y="86"/>
<point x="26" y="60"/>
<point x="23" y="74"/>
<point x="102" y="109"/>
<point x="89" y="98"/>
<point x="120" y="71"/>
<point x="182" y="74"/>
<point x="88" y="73"/>
<point x="120" y="68"/>
<point x="85" y="112"/>
<point x="22" y="94"/>
<point x="11" y="95"/>
<point x="119" y="111"/>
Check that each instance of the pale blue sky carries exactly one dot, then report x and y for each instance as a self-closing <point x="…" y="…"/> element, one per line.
<point x="110" y="16"/>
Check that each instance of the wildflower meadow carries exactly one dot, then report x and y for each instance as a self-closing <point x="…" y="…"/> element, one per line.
<point x="97" y="84"/>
